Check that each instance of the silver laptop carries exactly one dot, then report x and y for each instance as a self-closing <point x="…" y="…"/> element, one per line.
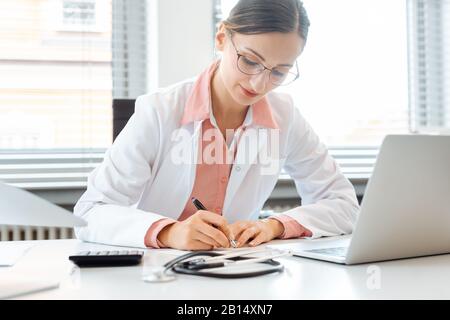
<point x="20" y="207"/>
<point x="405" y="211"/>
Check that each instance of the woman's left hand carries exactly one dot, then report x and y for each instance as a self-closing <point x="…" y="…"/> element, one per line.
<point x="253" y="233"/>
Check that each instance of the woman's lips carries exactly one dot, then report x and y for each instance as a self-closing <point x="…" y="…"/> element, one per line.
<point x="248" y="93"/>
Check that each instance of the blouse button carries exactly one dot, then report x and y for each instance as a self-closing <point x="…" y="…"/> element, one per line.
<point x="218" y="210"/>
<point x="224" y="179"/>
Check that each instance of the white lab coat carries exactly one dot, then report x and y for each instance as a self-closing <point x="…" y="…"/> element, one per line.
<point x="138" y="182"/>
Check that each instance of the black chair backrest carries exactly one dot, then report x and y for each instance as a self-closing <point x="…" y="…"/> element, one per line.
<point x="123" y="109"/>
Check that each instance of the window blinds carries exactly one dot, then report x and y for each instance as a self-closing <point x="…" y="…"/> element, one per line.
<point x="129" y="48"/>
<point x="55" y="74"/>
<point x="429" y="65"/>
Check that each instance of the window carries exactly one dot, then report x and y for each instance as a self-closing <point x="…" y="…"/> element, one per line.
<point x="63" y="61"/>
<point x="61" y="64"/>
<point x="55" y="80"/>
<point x="353" y="72"/>
<point x="429" y="65"/>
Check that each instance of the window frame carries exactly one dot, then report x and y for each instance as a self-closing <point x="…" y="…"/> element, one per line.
<point x="61" y="188"/>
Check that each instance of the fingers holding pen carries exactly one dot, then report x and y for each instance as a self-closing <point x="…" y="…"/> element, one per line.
<point x="238" y="228"/>
<point x="213" y="219"/>
<point x="203" y="230"/>
<point x="216" y="236"/>
<point x="219" y="227"/>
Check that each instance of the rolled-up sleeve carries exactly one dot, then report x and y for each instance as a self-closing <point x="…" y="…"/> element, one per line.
<point x="292" y="229"/>
<point x="151" y="238"/>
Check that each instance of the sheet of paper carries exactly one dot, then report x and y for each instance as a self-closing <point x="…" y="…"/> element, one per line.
<point x="10" y="252"/>
<point x="16" y="285"/>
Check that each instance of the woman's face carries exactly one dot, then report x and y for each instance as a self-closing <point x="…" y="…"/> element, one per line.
<point x="269" y="49"/>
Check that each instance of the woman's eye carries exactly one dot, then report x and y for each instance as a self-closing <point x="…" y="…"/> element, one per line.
<point x="249" y="62"/>
<point x="278" y="74"/>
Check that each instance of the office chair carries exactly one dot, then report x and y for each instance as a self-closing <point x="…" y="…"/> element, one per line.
<point x="122" y="111"/>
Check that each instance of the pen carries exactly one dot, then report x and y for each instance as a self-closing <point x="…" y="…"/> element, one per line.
<point x="200" y="206"/>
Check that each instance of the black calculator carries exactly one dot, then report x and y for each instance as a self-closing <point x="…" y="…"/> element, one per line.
<point x="108" y="258"/>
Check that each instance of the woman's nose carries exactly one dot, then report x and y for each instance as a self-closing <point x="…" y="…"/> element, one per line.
<point x="259" y="81"/>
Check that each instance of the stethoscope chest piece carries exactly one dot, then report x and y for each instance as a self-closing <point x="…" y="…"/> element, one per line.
<point x="158" y="275"/>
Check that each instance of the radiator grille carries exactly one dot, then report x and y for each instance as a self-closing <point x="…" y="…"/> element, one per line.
<point x="17" y="233"/>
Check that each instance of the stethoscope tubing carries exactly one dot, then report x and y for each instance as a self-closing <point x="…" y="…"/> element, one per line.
<point x="197" y="267"/>
<point x="277" y="267"/>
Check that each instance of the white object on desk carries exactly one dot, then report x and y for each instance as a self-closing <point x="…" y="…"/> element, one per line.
<point x="10" y="252"/>
<point x="22" y="208"/>
<point x="14" y="285"/>
<point x="19" y="207"/>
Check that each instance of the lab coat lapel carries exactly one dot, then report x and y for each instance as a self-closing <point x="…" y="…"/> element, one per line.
<point x="176" y="178"/>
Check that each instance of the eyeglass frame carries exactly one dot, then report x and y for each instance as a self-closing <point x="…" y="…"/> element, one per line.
<point x="297" y="75"/>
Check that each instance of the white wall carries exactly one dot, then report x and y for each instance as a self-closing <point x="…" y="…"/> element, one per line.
<point x="183" y="31"/>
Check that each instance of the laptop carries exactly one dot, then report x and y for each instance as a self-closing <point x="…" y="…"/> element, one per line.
<point x="20" y="207"/>
<point x="405" y="211"/>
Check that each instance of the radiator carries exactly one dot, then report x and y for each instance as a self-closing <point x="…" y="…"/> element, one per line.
<point x="16" y="233"/>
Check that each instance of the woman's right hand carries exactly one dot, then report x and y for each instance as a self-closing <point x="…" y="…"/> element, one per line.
<point x="203" y="230"/>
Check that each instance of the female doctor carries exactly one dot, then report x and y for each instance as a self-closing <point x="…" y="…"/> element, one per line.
<point x="222" y="138"/>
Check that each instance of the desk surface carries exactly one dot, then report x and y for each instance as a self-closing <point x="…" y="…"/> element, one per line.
<point x="417" y="278"/>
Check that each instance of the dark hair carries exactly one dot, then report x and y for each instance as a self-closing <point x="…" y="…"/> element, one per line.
<point x="262" y="16"/>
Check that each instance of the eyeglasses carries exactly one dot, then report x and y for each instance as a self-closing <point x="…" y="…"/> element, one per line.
<point x="279" y="76"/>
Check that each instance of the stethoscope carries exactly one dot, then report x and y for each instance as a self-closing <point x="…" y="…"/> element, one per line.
<point x="202" y="263"/>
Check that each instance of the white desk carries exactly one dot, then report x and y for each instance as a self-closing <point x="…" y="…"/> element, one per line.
<point x="418" y="278"/>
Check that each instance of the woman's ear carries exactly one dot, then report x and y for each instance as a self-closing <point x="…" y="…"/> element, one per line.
<point x="220" y="38"/>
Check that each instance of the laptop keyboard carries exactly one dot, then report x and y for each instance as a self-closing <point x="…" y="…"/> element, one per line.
<point x="337" y="251"/>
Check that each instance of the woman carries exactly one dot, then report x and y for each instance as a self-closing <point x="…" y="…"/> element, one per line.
<point x="221" y="138"/>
